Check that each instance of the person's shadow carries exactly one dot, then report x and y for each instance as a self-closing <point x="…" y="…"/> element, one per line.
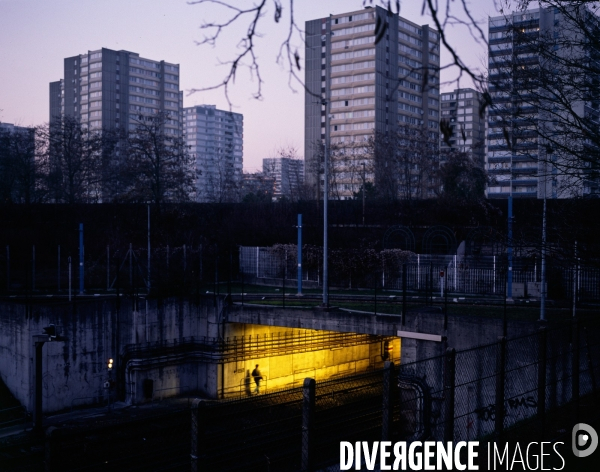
<point x="248" y="383"/>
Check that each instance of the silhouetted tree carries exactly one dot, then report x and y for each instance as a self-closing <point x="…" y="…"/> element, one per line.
<point x="73" y="153"/>
<point x="405" y="163"/>
<point x="158" y="166"/>
<point x="20" y="171"/>
<point x="462" y="179"/>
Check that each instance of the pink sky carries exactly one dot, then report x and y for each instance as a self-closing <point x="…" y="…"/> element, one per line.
<point x="36" y="35"/>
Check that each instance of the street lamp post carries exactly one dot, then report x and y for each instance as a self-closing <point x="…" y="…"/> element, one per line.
<point x="363" y="194"/>
<point x="543" y="288"/>
<point x="325" y="205"/>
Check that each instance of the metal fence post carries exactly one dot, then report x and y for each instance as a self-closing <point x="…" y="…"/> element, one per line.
<point x="449" y="393"/>
<point x="198" y="454"/>
<point x="308" y="411"/>
<point x="7" y="268"/>
<point x="500" y="378"/>
<point x="541" y="384"/>
<point x="575" y="365"/>
<point x="404" y="273"/>
<point x="33" y="269"/>
<point x="387" y="420"/>
<point x="81" y="259"/>
<point x="589" y="359"/>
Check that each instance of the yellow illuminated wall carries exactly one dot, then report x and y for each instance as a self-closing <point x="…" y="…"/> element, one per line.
<point x="287" y="356"/>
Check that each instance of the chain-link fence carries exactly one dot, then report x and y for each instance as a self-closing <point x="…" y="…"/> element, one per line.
<point x="495" y="388"/>
<point x="433" y="274"/>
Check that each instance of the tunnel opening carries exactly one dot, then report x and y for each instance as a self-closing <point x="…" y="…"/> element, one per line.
<point x="287" y="356"/>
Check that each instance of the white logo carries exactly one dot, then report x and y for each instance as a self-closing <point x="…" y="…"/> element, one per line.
<point x="584" y="440"/>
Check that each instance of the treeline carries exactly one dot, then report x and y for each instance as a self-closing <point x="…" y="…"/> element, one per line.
<point x="67" y="162"/>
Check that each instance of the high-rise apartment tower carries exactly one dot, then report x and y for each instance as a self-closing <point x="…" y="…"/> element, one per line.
<point x="108" y="89"/>
<point x="543" y="64"/>
<point x="215" y="139"/>
<point x="463" y="111"/>
<point x="357" y="87"/>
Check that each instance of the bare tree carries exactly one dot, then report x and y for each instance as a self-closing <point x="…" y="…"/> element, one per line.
<point x="405" y="163"/>
<point x="461" y="179"/>
<point x="21" y="173"/>
<point x="345" y="168"/>
<point x="546" y="97"/>
<point x="159" y="166"/>
<point x="251" y="18"/>
<point x="74" y="158"/>
<point x="223" y="180"/>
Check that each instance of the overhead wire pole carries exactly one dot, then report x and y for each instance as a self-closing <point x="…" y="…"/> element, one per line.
<point x="363" y="194"/>
<point x="543" y="290"/>
<point x="299" y="254"/>
<point x="81" y="256"/>
<point x="148" y="248"/>
<point x="325" y="205"/>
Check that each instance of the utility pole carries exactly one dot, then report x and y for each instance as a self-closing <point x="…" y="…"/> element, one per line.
<point x="509" y="249"/>
<point x="148" y="248"/>
<point x="300" y="254"/>
<point x="363" y="194"/>
<point x="81" y="255"/>
<point x="543" y="291"/>
<point x="325" y="205"/>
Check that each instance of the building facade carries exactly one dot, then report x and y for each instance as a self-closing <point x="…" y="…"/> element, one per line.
<point x="359" y="88"/>
<point x="462" y="110"/>
<point x="543" y="110"/>
<point x="107" y="89"/>
<point x="288" y="174"/>
<point x="216" y="143"/>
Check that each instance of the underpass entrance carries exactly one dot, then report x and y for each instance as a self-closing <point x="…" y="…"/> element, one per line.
<point x="286" y="358"/>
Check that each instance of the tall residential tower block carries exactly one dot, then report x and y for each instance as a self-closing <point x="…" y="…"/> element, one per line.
<point x="215" y="139"/>
<point x="362" y="82"/>
<point x="108" y="89"/>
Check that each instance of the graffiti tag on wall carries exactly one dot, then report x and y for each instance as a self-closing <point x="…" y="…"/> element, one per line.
<point x="488" y="413"/>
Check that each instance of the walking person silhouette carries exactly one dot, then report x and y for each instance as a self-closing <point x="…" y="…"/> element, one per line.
<point x="257" y="378"/>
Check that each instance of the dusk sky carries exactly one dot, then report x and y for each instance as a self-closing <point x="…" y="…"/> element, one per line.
<point x="36" y="35"/>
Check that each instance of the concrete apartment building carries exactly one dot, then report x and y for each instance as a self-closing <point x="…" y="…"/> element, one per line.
<point x="116" y="89"/>
<point x="356" y="88"/>
<point x="215" y="139"/>
<point x="461" y="109"/>
<point x="288" y="174"/>
<point x="524" y="118"/>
